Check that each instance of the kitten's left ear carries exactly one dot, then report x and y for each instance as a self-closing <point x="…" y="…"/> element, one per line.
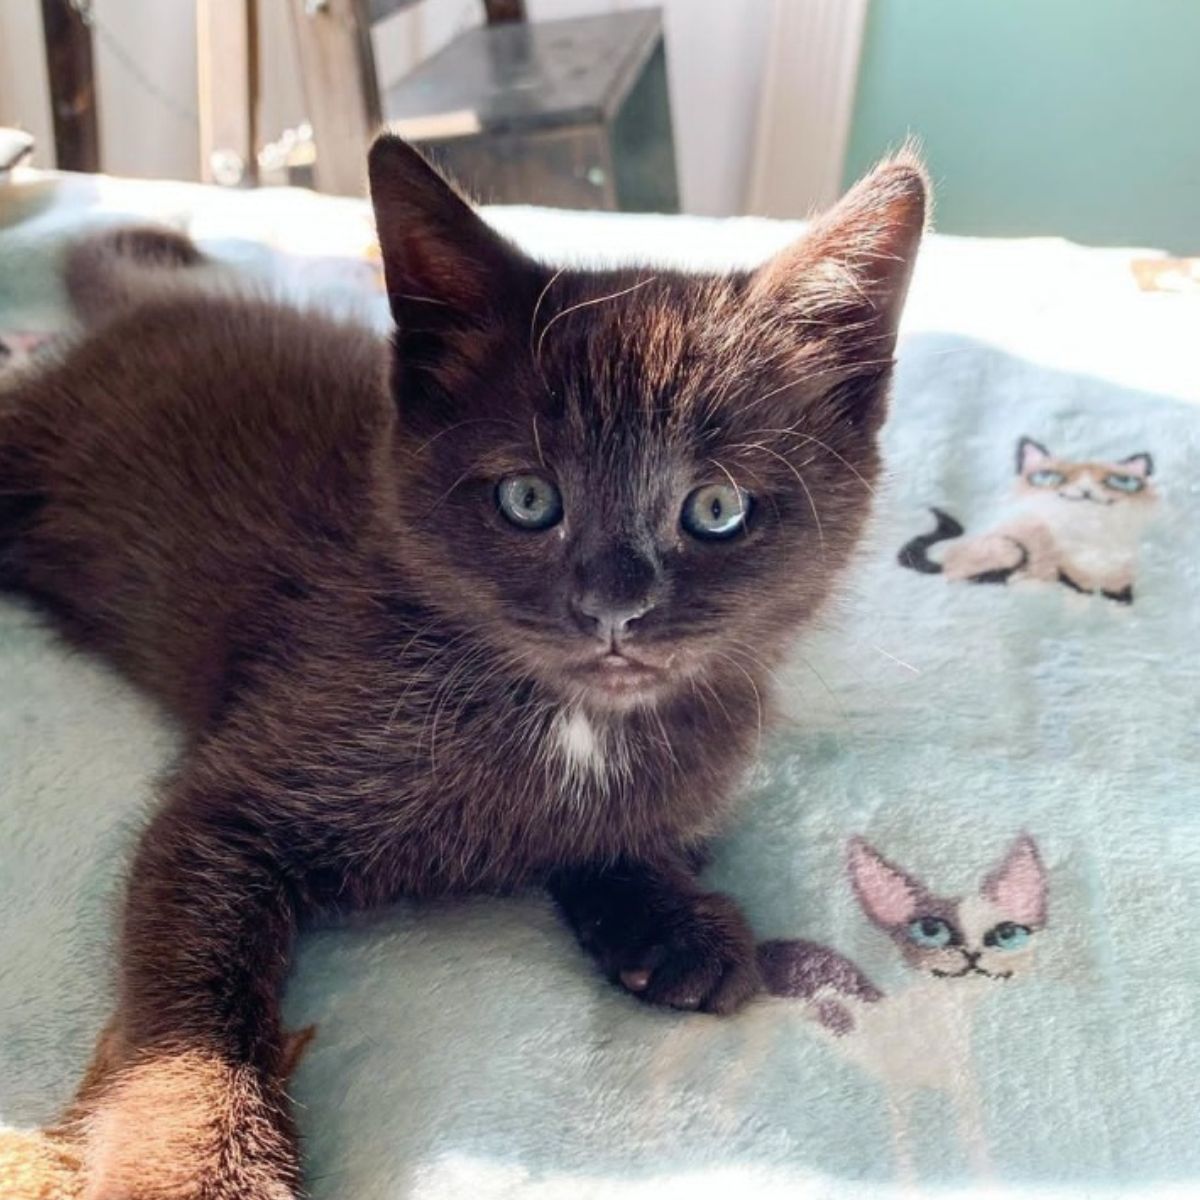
<point x="1018" y="886"/>
<point x="1141" y="465"/>
<point x="841" y="287"/>
<point x="439" y="256"/>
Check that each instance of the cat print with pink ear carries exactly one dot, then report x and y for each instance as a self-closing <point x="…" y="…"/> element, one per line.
<point x="17" y="348"/>
<point x="917" y="1039"/>
<point x="1073" y="523"/>
<point x="912" y="1041"/>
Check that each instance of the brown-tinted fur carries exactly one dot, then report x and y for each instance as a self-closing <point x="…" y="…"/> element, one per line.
<point x="288" y="533"/>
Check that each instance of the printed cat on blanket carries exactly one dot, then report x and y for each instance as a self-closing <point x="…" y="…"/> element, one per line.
<point x="1077" y="524"/>
<point x="919" y="1038"/>
<point x="913" y="1040"/>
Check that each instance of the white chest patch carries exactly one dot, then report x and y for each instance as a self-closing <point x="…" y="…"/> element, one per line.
<point x="578" y="742"/>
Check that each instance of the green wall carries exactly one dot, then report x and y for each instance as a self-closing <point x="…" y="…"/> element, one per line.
<point x="1073" y="117"/>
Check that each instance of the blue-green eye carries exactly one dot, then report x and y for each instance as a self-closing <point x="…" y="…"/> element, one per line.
<point x="1123" y="483"/>
<point x="529" y="501"/>
<point x="1046" y="478"/>
<point x="930" y="932"/>
<point x="1007" y="936"/>
<point x="715" y="511"/>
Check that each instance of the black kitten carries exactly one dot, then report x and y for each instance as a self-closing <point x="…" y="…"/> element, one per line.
<point x="495" y="604"/>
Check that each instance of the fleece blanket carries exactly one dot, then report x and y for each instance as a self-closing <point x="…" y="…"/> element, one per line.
<point x="972" y="849"/>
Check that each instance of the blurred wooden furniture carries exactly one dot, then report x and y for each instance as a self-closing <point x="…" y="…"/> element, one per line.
<point x="570" y="113"/>
<point x="495" y="11"/>
<point x="337" y="74"/>
<point x="68" y="41"/>
<point x="500" y="11"/>
<point x="337" y="71"/>
<point x="227" y="86"/>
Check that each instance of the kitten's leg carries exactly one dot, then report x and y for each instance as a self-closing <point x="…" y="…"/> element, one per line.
<point x="195" y="1107"/>
<point x="652" y="930"/>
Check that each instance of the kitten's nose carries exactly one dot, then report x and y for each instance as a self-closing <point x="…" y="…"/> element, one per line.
<point x="608" y="620"/>
<point x="614" y="589"/>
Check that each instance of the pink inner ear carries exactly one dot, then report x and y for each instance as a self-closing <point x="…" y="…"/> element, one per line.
<point x="1018" y="886"/>
<point x="886" y="893"/>
<point x="1137" y="465"/>
<point x="1031" y="455"/>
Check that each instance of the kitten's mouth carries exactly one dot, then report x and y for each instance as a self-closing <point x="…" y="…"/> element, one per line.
<point x="617" y="674"/>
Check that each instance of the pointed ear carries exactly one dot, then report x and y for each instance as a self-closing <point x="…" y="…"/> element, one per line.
<point x="1141" y="465"/>
<point x="887" y="895"/>
<point x="842" y="286"/>
<point x="1018" y="885"/>
<point x="1030" y="454"/>
<point x="438" y="254"/>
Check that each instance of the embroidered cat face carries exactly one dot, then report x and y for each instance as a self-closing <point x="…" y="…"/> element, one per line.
<point x="989" y="935"/>
<point x="17" y="349"/>
<point x="636" y="481"/>
<point x="1042" y="475"/>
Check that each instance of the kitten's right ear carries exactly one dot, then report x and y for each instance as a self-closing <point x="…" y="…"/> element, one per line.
<point x="1030" y="454"/>
<point x="887" y="895"/>
<point x="839" y="290"/>
<point x="438" y="253"/>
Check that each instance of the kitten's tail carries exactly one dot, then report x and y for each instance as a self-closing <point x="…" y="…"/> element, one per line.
<point x="915" y="556"/>
<point x="109" y="272"/>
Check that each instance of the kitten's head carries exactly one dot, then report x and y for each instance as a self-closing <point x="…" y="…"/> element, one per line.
<point x="1102" y="484"/>
<point x="637" y="480"/>
<point x="991" y="934"/>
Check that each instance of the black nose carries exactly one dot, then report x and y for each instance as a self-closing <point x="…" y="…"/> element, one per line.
<point x="608" y="620"/>
<point x="972" y="957"/>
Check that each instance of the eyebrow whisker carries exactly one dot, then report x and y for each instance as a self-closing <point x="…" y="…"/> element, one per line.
<point x="566" y="312"/>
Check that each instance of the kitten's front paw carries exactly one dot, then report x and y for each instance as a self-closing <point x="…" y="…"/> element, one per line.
<point x="692" y="952"/>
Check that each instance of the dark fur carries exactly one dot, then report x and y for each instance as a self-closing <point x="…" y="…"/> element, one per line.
<point x="286" y="532"/>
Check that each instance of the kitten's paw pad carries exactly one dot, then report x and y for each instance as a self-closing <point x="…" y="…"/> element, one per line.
<point x="699" y="956"/>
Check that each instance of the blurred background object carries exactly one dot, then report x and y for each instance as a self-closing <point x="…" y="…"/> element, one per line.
<point x="146" y="84"/>
<point x="71" y="84"/>
<point x="1076" y="117"/>
<point x="1072" y="118"/>
<point x="572" y="113"/>
<point x="15" y="146"/>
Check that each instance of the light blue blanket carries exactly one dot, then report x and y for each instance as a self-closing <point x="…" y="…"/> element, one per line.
<point x="975" y="844"/>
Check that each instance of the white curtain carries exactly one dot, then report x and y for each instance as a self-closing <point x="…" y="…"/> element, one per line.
<point x="806" y="106"/>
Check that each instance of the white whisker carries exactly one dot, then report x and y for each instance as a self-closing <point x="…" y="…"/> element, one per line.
<point x="898" y="661"/>
<point x="800" y="480"/>
<point x="566" y="312"/>
<point x="816" y="441"/>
